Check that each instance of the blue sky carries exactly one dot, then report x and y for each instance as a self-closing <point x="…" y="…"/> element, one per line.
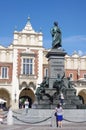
<point x="70" y="14"/>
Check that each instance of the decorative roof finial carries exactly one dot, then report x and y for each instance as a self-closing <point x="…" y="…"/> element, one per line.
<point x="28" y="19"/>
<point x="40" y="29"/>
<point x="15" y="28"/>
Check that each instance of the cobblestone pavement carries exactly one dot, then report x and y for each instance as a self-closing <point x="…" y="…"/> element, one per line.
<point x="68" y="126"/>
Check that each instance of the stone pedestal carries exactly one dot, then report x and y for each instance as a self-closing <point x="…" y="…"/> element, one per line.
<point x="55" y="64"/>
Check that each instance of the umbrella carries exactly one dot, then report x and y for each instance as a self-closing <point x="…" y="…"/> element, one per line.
<point x="2" y="101"/>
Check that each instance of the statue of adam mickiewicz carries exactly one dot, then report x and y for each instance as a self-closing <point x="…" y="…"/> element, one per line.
<point x="56" y="36"/>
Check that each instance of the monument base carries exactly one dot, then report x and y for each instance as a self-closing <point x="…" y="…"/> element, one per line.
<point x="50" y="90"/>
<point x="55" y="64"/>
<point x="50" y="99"/>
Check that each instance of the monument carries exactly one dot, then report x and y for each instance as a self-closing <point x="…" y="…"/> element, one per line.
<point x="48" y="93"/>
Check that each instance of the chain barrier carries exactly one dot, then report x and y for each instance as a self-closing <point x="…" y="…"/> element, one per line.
<point x="46" y="120"/>
<point x="31" y="122"/>
<point x="5" y="116"/>
<point x="16" y="112"/>
<point x="73" y="121"/>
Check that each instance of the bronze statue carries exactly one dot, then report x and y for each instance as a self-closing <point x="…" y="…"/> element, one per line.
<point x="56" y="36"/>
<point x="58" y="84"/>
<point x="41" y="90"/>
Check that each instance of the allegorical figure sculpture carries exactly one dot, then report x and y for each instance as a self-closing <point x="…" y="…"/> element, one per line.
<point x="59" y="83"/>
<point x="41" y="90"/>
<point x="56" y="36"/>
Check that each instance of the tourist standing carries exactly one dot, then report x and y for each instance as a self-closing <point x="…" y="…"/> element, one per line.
<point x="59" y="115"/>
<point x="61" y="98"/>
<point x="26" y="105"/>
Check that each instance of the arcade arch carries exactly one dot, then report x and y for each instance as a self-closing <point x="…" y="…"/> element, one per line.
<point x="26" y="93"/>
<point x="4" y="94"/>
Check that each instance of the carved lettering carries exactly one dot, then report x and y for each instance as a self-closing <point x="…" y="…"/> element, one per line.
<point x="57" y="69"/>
<point x="58" y="62"/>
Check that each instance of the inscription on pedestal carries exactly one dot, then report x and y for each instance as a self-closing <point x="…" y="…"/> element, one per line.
<point x="56" y="64"/>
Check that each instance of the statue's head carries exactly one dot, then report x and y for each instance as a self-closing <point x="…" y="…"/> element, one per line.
<point x="58" y="75"/>
<point x="56" y="23"/>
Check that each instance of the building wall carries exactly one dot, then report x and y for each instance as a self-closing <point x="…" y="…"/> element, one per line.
<point x="75" y="65"/>
<point x="26" y="44"/>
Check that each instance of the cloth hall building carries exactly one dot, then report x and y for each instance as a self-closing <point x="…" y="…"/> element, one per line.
<point x="23" y="65"/>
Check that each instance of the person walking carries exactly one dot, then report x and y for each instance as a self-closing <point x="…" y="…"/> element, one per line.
<point x="61" y="98"/>
<point x="59" y="115"/>
<point x="26" y="105"/>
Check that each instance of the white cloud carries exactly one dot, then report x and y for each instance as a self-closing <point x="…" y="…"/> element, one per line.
<point x="77" y="38"/>
<point x="80" y="52"/>
<point x="73" y="43"/>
